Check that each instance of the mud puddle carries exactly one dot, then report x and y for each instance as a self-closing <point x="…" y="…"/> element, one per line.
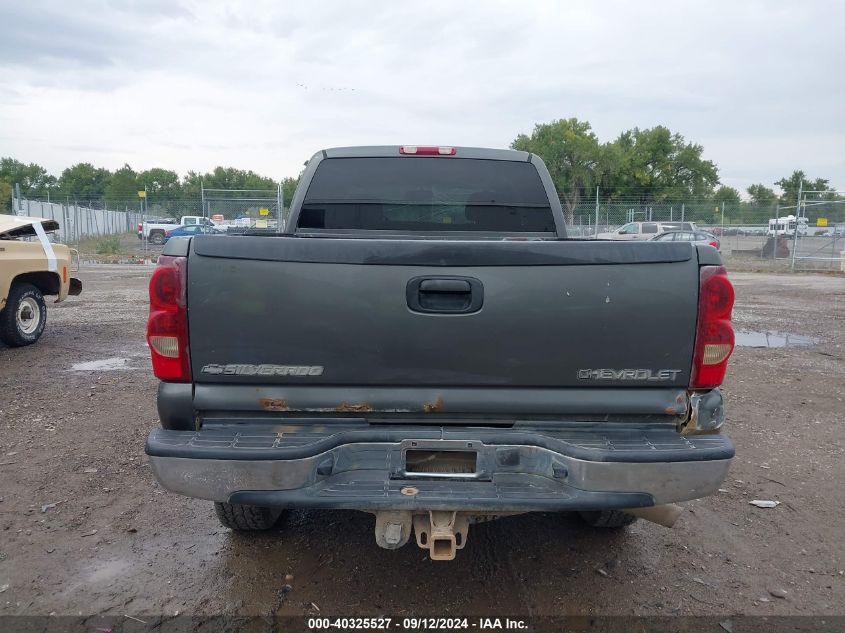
<point x="773" y="339"/>
<point x="105" y="364"/>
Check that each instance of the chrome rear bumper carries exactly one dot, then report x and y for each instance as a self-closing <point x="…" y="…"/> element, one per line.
<point x="516" y="470"/>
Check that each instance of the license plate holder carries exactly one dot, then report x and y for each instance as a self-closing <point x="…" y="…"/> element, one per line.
<point x="441" y="459"/>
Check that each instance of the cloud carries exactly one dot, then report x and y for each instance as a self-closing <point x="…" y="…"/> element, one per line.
<point x="262" y="85"/>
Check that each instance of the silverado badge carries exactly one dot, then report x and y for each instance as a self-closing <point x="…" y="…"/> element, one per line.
<point x="240" y="369"/>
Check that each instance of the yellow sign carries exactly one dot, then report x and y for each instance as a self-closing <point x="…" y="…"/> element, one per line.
<point x="261" y="224"/>
<point x="264" y="211"/>
<point x="142" y="194"/>
<point x="821" y="221"/>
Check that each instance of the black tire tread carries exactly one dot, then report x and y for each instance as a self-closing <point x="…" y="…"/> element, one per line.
<point x="245" y="518"/>
<point x="607" y="518"/>
<point x="9" y="333"/>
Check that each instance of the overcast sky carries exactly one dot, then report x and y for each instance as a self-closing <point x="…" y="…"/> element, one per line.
<point x="262" y="85"/>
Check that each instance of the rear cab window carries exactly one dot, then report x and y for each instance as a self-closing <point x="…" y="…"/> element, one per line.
<point x="426" y="194"/>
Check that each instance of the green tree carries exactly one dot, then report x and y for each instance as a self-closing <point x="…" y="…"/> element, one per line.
<point x="572" y="153"/>
<point x="226" y="178"/>
<point x="288" y="189"/>
<point x="761" y="195"/>
<point x="656" y="165"/>
<point x="726" y="194"/>
<point x="122" y="188"/>
<point x="192" y="184"/>
<point x="790" y="185"/>
<point x="83" y="181"/>
<point x="233" y="178"/>
<point x="165" y="195"/>
<point x="33" y="179"/>
<point x="815" y="192"/>
<point x="5" y="196"/>
<point x="162" y="184"/>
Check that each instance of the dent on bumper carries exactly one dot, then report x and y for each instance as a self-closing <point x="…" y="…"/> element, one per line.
<point x="370" y="475"/>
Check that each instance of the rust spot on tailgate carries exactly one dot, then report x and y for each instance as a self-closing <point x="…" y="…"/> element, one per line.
<point x="274" y="404"/>
<point x="359" y="408"/>
<point x="433" y="407"/>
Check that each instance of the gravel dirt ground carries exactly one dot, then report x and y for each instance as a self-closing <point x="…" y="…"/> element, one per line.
<point x="84" y="528"/>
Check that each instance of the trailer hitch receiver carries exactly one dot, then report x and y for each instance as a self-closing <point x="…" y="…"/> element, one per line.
<point x="441" y="533"/>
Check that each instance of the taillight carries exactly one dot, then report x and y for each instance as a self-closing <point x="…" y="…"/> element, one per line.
<point x="714" y="244"/>
<point x="428" y="151"/>
<point x="140" y="227"/>
<point x="714" y="336"/>
<point x="167" y="326"/>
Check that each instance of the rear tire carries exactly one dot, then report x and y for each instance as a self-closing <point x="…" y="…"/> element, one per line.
<point x="23" y="319"/>
<point x="157" y="238"/>
<point x="613" y="519"/>
<point x="244" y="518"/>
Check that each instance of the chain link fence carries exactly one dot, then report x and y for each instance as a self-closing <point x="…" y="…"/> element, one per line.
<point x="241" y="209"/>
<point x="750" y="235"/>
<point x="77" y="222"/>
<point x="818" y="249"/>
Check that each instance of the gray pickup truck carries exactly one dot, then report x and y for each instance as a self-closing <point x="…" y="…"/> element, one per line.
<point x="423" y="342"/>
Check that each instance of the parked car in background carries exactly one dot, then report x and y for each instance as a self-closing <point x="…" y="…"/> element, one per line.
<point x="645" y="230"/>
<point x="756" y="231"/>
<point x="187" y="231"/>
<point x="30" y="269"/>
<point x="579" y="231"/>
<point x="199" y="220"/>
<point x="697" y="237"/>
<point x="221" y="224"/>
<point x="155" y="229"/>
<point x="155" y="222"/>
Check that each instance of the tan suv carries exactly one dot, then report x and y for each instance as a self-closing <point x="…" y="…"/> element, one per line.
<point x="645" y="230"/>
<point x="29" y="269"/>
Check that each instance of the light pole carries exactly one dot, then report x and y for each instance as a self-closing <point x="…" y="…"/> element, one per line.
<point x="797" y="215"/>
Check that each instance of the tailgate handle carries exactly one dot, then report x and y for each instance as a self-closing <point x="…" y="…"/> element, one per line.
<point x="445" y="295"/>
<point x="445" y="285"/>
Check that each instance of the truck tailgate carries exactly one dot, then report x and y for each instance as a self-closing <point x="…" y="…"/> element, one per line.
<point x="416" y="317"/>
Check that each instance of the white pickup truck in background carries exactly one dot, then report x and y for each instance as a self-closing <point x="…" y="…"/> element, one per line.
<point x="156" y="228"/>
